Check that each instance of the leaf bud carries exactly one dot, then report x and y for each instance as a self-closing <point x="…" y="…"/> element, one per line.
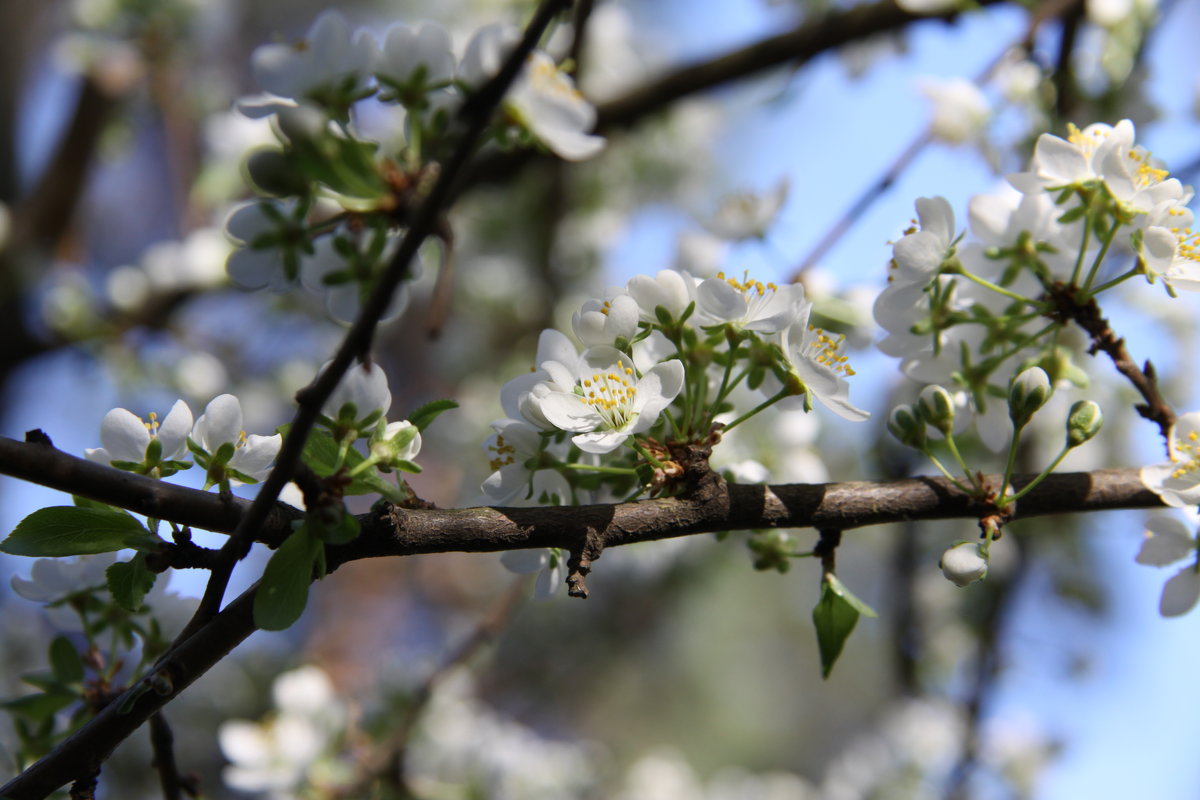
<point x="936" y="406"/>
<point x="1084" y="422"/>
<point x="274" y="173"/>
<point x="1029" y="391"/>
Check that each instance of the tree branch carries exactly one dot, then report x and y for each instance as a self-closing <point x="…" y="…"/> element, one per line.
<point x="392" y="531"/>
<point x="795" y="47"/>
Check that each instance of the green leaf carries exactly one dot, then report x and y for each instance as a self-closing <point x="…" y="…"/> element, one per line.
<point x="74" y="531"/>
<point x="321" y="454"/>
<point x="835" y="616"/>
<point x="429" y="412"/>
<point x="86" y="502"/>
<point x="128" y="582"/>
<point x="283" y="591"/>
<point x="65" y="661"/>
<point x="39" y="707"/>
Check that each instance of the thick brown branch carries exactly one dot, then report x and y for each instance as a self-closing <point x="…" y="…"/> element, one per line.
<point x="397" y="532"/>
<point x="722" y="507"/>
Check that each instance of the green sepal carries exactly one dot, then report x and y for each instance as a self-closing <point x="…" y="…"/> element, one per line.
<point x="129" y="581"/>
<point x="75" y="531"/>
<point x="405" y="466"/>
<point x="835" y="616"/>
<point x="283" y="591"/>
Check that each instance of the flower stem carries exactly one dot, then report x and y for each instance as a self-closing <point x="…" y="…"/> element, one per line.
<point x="782" y="393"/>
<point x="600" y="469"/>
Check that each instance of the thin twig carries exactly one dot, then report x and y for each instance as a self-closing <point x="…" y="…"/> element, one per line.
<point x="162" y="742"/>
<point x="476" y="113"/>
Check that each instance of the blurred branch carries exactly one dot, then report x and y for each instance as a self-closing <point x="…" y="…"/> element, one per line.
<point x="44" y="217"/>
<point x="1047" y="10"/>
<point x="162" y="742"/>
<point x="793" y="47"/>
<point x="475" y="114"/>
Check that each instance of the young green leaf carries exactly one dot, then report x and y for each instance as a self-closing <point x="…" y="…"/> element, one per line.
<point x="128" y="582"/>
<point x="75" y="531"/>
<point x="429" y="412"/>
<point x="835" y="616"/>
<point x="283" y="591"/>
<point x="65" y="662"/>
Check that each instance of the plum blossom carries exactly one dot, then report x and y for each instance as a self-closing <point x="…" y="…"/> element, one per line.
<point x="414" y="60"/>
<point x="606" y="321"/>
<point x="1172" y="254"/>
<point x="361" y="398"/>
<point x="964" y="563"/>
<point x="960" y="111"/>
<point x="1169" y="539"/>
<point x="220" y="426"/>
<point x="605" y="406"/>
<point x="673" y="290"/>
<point x="1177" y="482"/>
<point x="127" y="439"/>
<point x="918" y="256"/>
<point x="547" y="564"/>
<point x="328" y="67"/>
<point x="276" y="755"/>
<point x="515" y="394"/>
<point x="52" y="579"/>
<point x="544" y="99"/>
<point x="749" y="304"/>
<point x="813" y="358"/>
<point x="512" y="447"/>
<point x="746" y="215"/>
<point x="268" y="239"/>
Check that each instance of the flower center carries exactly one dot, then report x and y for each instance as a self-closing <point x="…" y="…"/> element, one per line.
<point x="611" y="395"/>
<point x="1186" y="454"/>
<point x="505" y="453"/>
<point x="1145" y="175"/>
<point x="823" y="349"/>
<point x="748" y="286"/>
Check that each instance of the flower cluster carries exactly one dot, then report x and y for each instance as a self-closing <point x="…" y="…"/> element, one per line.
<point x="972" y="312"/>
<point x="651" y="364"/>
<point x="216" y="440"/>
<point x="338" y="196"/>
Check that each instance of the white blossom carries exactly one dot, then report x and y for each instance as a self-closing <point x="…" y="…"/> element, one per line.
<point x="611" y="403"/>
<point x="964" y="563"/>
<point x="814" y="357"/>
<point x="1178" y="481"/>
<point x="749" y="304"/>
<point x="746" y="215"/>
<point x="362" y="394"/>
<point x="221" y="424"/>
<point x="960" y="112"/>
<point x="126" y="436"/>
<point x="604" y="322"/>
<point x="329" y="66"/>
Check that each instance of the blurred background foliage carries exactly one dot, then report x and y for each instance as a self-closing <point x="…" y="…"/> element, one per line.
<point x="687" y="673"/>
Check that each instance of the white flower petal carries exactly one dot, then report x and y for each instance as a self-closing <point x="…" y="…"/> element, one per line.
<point x="1180" y="593"/>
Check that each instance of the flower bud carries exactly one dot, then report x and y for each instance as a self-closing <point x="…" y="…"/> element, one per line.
<point x="1083" y="422"/>
<point x="905" y="426"/>
<point x="964" y="563"/>
<point x="303" y="124"/>
<point x="936" y="406"/>
<point x="1029" y="391"/>
<point x="274" y="173"/>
